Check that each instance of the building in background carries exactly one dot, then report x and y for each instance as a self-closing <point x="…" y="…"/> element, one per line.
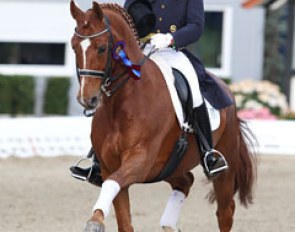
<point x="35" y="40"/>
<point x="279" y="51"/>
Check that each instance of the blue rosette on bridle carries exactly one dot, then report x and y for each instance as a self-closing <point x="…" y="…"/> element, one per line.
<point x="120" y="55"/>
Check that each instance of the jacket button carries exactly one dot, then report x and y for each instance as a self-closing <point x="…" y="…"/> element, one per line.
<point x="158" y="31"/>
<point x="160" y="19"/>
<point x="173" y="28"/>
<point x="163" y="6"/>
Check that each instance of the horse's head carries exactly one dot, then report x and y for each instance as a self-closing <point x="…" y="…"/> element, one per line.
<point x="91" y="44"/>
<point x="100" y="34"/>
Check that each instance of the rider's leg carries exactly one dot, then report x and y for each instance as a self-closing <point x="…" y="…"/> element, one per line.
<point x="212" y="160"/>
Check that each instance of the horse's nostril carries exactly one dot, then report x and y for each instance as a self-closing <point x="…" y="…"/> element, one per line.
<point x="94" y="101"/>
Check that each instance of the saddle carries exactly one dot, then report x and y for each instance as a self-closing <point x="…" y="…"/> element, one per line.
<point x="185" y="96"/>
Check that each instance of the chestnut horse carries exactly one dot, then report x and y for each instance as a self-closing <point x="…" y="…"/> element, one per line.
<point x="134" y="127"/>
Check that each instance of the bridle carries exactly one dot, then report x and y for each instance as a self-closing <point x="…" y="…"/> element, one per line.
<point x="103" y="75"/>
<point x="107" y="79"/>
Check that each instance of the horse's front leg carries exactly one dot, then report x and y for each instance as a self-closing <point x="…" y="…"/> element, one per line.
<point x="109" y="190"/>
<point x="122" y="209"/>
<point x="133" y="169"/>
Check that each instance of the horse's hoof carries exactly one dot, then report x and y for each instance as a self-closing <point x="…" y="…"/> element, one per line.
<point x="169" y="229"/>
<point x="92" y="226"/>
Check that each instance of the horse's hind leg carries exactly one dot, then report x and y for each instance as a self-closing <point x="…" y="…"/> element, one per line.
<point x="224" y="194"/>
<point x="181" y="186"/>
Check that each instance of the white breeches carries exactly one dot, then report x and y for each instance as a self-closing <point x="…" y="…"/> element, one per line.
<point x="176" y="59"/>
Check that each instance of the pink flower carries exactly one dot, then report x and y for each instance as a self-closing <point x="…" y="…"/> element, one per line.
<point x="262" y="113"/>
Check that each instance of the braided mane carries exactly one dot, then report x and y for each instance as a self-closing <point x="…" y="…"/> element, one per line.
<point x="123" y="12"/>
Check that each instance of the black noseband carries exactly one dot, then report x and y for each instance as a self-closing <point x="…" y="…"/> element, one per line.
<point x="92" y="73"/>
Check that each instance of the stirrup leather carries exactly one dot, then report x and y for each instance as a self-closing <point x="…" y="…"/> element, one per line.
<point x="216" y="170"/>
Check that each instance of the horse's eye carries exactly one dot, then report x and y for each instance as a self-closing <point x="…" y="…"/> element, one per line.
<point x="101" y="49"/>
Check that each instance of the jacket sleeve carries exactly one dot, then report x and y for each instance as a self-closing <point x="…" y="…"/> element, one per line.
<point x="194" y="27"/>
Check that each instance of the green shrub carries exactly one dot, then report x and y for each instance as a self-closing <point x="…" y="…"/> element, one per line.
<point x="17" y="95"/>
<point x="5" y="105"/>
<point x="227" y="80"/>
<point x="22" y="90"/>
<point x="56" y="98"/>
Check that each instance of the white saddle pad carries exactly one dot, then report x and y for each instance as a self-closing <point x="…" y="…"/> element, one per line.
<point x="166" y="70"/>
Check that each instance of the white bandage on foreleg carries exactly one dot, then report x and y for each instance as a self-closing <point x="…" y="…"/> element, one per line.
<point x="109" y="191"/>
<point x="171" y="213"/>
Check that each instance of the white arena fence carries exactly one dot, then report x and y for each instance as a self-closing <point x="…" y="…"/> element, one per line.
<point x="46" y="136"/>
<point x="274" y="137"/>
<point x="56" y="136"/>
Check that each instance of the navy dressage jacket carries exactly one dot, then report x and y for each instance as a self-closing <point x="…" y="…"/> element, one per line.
<point x="184" y="19"/>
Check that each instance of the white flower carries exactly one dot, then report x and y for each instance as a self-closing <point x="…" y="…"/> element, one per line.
<point x="263" y="97"/>
<point x="239" y="100"/>
<point x="235" y="88"/>
<point x="273" y="102"/>
<point x="252" y="104"/>
<point x="259" y="94"/>
<point x="247" y="86"/>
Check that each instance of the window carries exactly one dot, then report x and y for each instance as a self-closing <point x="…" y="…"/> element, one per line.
<point x="209" y="46"/>
<point x="32" y="53"/>
<point x="214" y="47"/>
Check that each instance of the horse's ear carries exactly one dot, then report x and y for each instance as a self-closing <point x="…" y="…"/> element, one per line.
<point x="75" y="11"/>
<point x="97" y="9"/>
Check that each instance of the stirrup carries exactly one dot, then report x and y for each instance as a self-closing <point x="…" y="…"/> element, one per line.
<point x="77" y="172"/>
<point x="216" y="170"/>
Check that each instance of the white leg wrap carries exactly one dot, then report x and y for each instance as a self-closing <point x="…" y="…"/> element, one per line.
<point x="171" y="213"/>
<point x="109" y="191"/>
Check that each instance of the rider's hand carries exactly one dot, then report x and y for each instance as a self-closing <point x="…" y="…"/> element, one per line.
<point x="162" y="40"/>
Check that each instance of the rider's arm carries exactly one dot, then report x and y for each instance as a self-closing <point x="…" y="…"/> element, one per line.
<point x="194" y="28"/>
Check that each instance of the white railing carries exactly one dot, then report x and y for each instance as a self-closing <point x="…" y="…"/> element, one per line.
<point x="52" y="136"/>
<point x="274" y="137"/>
<point x="55" y="136"/>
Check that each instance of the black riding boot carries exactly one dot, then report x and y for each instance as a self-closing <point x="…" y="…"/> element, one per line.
<point x="91" y="174"/>
<point x="212" y="160"/>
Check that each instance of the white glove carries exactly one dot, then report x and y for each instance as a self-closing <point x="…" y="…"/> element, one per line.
<point x="161" y="40"/>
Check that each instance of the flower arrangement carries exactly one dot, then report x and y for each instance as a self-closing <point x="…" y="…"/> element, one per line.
<point x="259" y="99"/>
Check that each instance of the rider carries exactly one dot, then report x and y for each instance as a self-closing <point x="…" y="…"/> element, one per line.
<point x="177" y="24"/>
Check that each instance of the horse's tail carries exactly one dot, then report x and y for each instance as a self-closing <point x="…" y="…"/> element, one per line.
<point x="247" y="166"/>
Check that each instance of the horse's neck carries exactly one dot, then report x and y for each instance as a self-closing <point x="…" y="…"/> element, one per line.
<point x="130" y="91"/>
<point x="124" y="30"/>
<point x="133" y="51"/>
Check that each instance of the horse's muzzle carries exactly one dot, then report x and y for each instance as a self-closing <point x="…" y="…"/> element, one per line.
<point x="89" y="103"/>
